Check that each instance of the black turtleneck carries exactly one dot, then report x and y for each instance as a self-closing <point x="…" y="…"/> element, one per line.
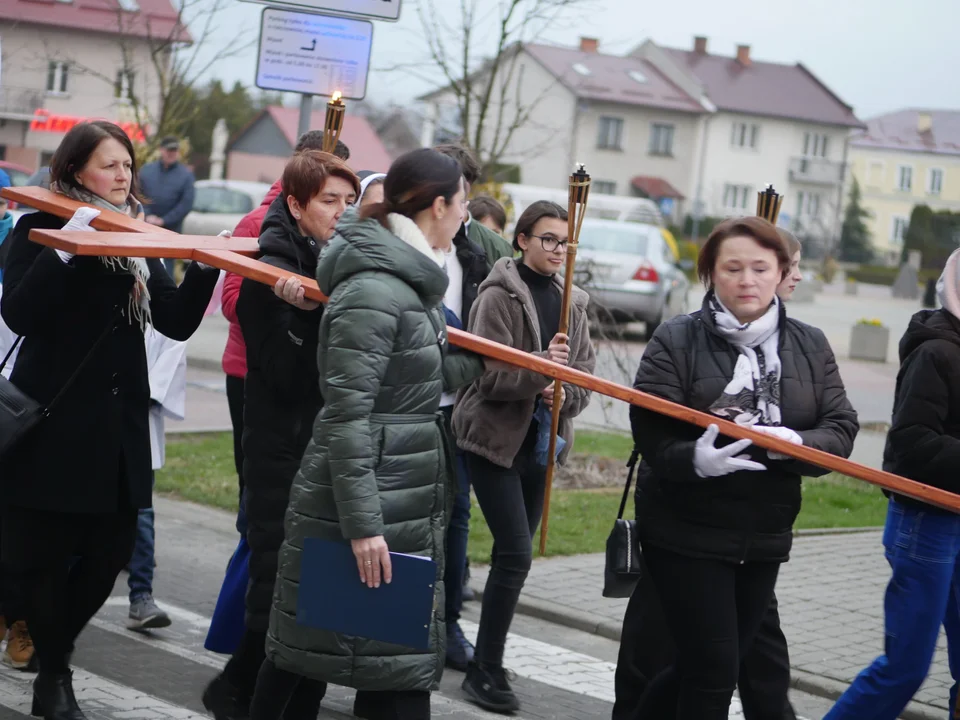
<point x="547" y="298"/>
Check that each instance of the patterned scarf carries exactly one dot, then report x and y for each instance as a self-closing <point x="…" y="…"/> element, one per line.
<point x="752" y="397"/>
<point x="138" y="305"/>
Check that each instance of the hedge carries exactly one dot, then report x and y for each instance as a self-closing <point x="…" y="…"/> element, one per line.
<point x="883" y="275"/>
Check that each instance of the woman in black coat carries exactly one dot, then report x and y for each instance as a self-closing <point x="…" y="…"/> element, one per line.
<point x="72" y="489"/>
<point x="714" y="522"/>
<point x="282" y="399"/>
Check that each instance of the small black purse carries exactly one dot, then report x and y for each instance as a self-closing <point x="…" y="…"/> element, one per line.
<point x="622" y="571"/>
<point x="20" y="413"/>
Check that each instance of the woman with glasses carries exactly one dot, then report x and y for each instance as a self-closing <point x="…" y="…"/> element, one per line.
<point x="502" y="422"/>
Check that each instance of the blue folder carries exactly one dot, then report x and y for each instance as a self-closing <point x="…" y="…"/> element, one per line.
<point x="331" y="596"/>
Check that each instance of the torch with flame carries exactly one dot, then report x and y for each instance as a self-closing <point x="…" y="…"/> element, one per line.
<point x="333" y="122"/>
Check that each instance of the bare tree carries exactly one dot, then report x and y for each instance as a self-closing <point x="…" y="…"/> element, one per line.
<point x="169" y="62"/>
<point x="482" y="68"/>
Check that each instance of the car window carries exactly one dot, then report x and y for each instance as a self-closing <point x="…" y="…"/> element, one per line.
<point x="220" y="200"/>
<point x="628" y="239"/>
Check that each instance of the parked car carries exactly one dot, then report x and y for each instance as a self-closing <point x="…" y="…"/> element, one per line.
<point x="220" y="204"/>
<point x="630" y="272"/>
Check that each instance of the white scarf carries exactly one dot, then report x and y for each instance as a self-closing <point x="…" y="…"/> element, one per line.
<point x="138" y="305"/>
<point x="948" y="286"/>
<point x="752" y="397"/>
<point x="408" y="231"/>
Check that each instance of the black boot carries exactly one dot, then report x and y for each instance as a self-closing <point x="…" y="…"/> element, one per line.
<point x="225" y="701"/>
<point x="487" y="686"/>
<point x="53" y="697"/>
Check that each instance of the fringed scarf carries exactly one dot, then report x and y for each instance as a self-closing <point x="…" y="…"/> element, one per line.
<point x="138" y="305"/>
<point x="752" y="397"/>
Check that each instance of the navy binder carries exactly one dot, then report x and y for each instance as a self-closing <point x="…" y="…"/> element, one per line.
<point x="331" y="596"/>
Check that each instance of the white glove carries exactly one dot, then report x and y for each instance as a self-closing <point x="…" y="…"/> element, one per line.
<point x="80" y="222"/>
<point x="783" y="433"/>
<point x="709" y="461"/>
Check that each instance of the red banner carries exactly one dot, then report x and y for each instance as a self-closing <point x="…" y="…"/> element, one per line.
<point x="43" y="121"/>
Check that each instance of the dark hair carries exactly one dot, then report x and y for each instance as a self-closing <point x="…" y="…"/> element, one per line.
<point x="534" y="213"/>
<point x="760" y="230"/>
<point x="793" y="245"/>
<point x="313" y="140"/>
<point x="79" y="144"/>
<point x="484" y="206"/>
<point x="413" y="182"/>
<point x="467" y="161"/>
<point x="306" y="173"/>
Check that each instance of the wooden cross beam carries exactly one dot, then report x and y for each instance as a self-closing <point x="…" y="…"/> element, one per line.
<point x="132" y="237"/>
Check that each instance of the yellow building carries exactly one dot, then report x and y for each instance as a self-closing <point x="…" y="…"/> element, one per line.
<point x="903" y="159"/>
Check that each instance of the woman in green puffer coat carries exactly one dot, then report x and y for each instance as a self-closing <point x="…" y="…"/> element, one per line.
<point x="376" y="473"/>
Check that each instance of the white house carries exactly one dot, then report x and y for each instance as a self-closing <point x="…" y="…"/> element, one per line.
<point x="699" y="133"/>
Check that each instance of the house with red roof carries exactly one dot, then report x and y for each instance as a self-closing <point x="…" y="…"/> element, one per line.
<point x="699" y="133"/>
<point x="260" y="150"/>
<point x="64" y="61"/>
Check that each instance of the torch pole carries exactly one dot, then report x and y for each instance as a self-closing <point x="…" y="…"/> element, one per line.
<point x="576" y="209"/>
<point x="333" y="122"/>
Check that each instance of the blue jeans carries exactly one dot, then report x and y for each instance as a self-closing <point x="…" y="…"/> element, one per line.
<point x="456" y="552"/>
<point x="923" y="549"/>
<point x="141" y="564"/>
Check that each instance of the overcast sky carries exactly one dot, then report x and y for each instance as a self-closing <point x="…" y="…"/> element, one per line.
<point x="877" y="55"/>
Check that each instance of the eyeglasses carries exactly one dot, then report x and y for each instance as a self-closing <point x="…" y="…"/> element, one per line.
<point x="550" y="242"/>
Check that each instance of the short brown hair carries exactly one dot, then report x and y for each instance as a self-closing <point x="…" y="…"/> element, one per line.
<point x="306" y="173"/>
<point x="760" y="230"/>
<point x="534" y="213"/>
<point x="484" y="206"/>
<point x="465" y="158"/>
<point x="793" y="245"/>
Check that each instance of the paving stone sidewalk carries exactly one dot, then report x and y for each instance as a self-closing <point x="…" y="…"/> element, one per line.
<point x="831" y="606"/>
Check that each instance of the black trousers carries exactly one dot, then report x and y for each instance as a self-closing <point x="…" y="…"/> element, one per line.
<point x="392" y="705"/>
<point x="647" y="651"/>
<point x="244" y="665"/>
<point x="713" y="611"/>
<point x="279" y="693"/>
<point x="64" y="566"/>
<point x="235" y="403"/>
<point x="511" y="500"/>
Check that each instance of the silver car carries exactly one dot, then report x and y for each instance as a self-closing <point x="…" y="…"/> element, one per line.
<point x="220" y="204"/>
<point x="630" y="272"/>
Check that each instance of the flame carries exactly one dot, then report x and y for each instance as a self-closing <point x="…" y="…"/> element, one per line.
<point x="335" y="98"/>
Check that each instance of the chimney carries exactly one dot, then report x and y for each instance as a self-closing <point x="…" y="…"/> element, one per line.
<point x="700" y="45"/>
<point x="743" y="55"/>
<point x="589" y="45"/>
<point x="924" y="122"/>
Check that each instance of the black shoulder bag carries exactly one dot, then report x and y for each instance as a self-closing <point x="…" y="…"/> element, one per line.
<point x="20" y="413"/>
<point x="622" y="571"/>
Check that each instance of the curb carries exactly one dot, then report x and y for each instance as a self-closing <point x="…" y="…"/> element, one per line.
<point x="201" y="363"/>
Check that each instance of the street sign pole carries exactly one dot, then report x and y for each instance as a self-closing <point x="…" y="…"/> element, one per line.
<point x="306" y="112"/>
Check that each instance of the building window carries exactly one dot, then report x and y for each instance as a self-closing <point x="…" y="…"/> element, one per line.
<point x="815" y="145"/>
<point x="129" y="5"/>
<point x="611" y="134"/>
<point x="905" y="178"/>
<point x="935" y="181"/>
<point x="898" y="228"/>
<point x="605" y="187"/>
<point x="745" y="135"/>
<point x="661" y="139"/>
<point x="123" y="86"/>
<point x="57" y="73"/>
<point x="735" y="197"/>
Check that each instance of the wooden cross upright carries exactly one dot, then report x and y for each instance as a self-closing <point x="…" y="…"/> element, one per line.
<point x="122" y="236"/>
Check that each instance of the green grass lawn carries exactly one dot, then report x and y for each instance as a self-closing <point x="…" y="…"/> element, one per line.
<point x="200" y="469"/>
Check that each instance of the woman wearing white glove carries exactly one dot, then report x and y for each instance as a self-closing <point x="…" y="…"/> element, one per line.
<point x="715" y="516"/>
<point x="73" y="488"/>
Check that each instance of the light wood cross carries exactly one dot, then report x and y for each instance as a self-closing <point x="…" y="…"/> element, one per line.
<point x="122" y="236"/>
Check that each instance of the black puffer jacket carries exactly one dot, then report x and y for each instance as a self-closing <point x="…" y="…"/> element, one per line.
<point x="282" y="399"/>
<point x="473" y="260"/>
<point x="924" y="440"/>
<point x="744" y="516"/>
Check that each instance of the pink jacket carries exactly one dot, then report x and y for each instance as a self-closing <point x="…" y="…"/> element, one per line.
<point x="235" y="353"/>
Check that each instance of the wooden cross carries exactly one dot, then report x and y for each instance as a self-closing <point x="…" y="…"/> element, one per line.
<point x="121" y="235"/>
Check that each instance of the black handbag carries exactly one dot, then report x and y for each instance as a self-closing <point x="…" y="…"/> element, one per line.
<point x="20" y="413"/>
<point x="622" y="571"/>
